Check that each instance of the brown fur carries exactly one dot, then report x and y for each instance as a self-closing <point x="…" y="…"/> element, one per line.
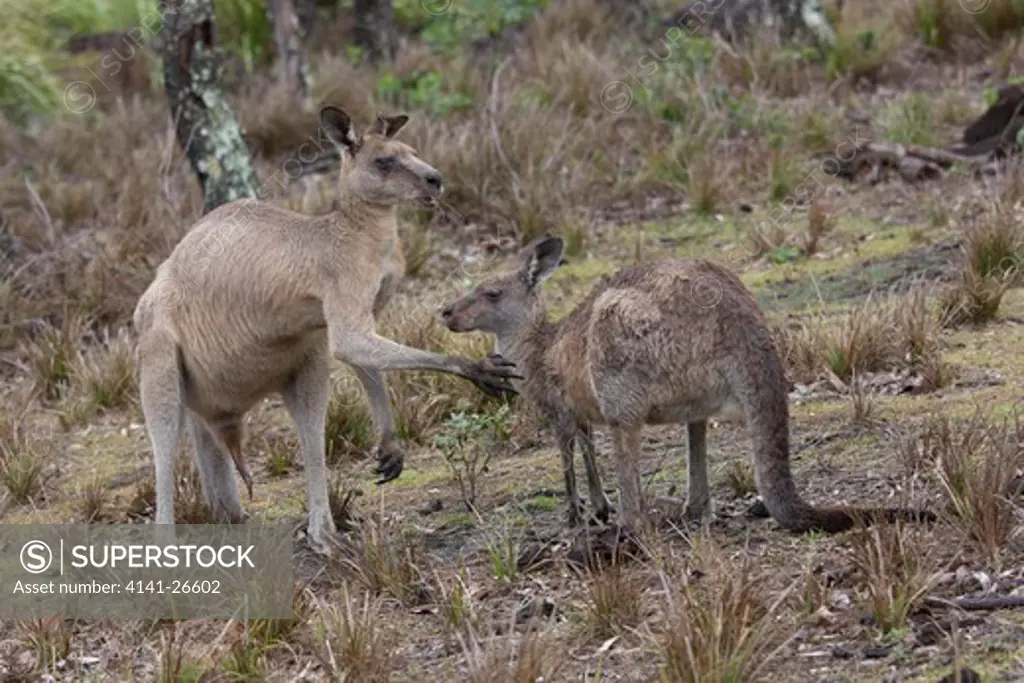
<point x="663" y="342"/>
<point x="255" y="298"/>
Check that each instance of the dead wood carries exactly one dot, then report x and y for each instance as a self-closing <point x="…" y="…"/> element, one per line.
<point x="980" y="604"/>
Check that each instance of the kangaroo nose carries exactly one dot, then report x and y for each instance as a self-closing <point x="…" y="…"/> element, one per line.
<point x="447" y="312"/>
<point x="434" y="180"/>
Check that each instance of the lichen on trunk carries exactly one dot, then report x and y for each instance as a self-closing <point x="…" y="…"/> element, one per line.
<point x="204" y="121"/>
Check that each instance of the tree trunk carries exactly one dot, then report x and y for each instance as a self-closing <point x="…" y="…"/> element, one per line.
<point x="306" y="12"/>
<point x="205" y="123"/>
<point x="375" y="29"/>
<point x="288" y="35"/>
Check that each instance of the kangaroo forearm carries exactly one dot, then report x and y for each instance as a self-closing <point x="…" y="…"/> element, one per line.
<point x="380" y="403"/>
<point x="381" y="354"/>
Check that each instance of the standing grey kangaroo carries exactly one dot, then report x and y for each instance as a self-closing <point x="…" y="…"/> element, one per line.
<point x="255" y="299"/>
<point x="662" y="342"/>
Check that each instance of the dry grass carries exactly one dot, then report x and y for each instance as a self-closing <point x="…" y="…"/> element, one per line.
<point x="821" y="220"/>
<point x="720" y="622"/>
<point x="503" y="545"/>
<point x="49" y="640"/>
<point x="270" y="632"/>
<point x="21" y="459"/>
<point x="897" y="570"/>
<point x="861" y="399"/>
<point x="350" y="429"/>
<point x="176" y="664"/>
<point x="422" y="400"/>
<point x="977" y="460"/>
<point x="991" y="265"/>
<point x="93" y="502"/>
<point x="278" y="453"/>
<point x="189" y="504"/>
<point x="386" y="564"/>
<point x="51" y="354"/>
<point x="739" y="476"/>
<point x="102" y="378"/>
<point x="456" y="603"/>
<point x="352" y="640"/>
<point x="875" y="336"/>
<point x="511" y="659"/>
<point x="613" y="600"/>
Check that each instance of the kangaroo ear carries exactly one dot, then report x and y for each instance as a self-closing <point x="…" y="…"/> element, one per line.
<point x="545" y="255"/>
<point x="338" y="126"/>
<point x="388" y="126"/>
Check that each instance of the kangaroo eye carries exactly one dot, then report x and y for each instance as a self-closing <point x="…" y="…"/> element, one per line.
<point x="384" y="163"/>
<point x="492" y="294"/>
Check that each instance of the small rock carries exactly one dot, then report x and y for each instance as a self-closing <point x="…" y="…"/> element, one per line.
<point x="435" y="505"/>
<point x="841" y="599"/>
<point x="877" y="651"/>
<point x="967" y="675"/>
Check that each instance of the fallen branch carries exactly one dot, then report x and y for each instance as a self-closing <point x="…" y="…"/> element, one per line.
<point x="979" y="604"/>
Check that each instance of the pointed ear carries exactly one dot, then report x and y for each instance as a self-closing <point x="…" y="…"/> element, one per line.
<point x="544" y="255"/>
<point x="388" y="125"/>
<point x="338" y="126"/>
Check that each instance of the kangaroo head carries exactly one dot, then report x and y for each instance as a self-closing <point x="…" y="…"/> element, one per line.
<point x="375" y="167"/>
<point x="505" y="303"/>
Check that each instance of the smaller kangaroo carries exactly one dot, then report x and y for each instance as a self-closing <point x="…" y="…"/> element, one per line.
<point x="255" y="299"/>
<point x="662" y="342"/>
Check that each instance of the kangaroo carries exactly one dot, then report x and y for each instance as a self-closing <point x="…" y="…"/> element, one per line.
<point x="254" y="299"/>
<point x="662" y="342"/>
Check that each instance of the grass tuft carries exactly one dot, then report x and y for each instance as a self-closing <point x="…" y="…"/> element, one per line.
<point x="385" y="563"/>
<point x="719" y="626"/>
<point x="977" y="463"/>
<point x="613" y="600"/>
<point x="352" y="641"/>
<point x="895" y="564"/>
<point x="514" y="658"/>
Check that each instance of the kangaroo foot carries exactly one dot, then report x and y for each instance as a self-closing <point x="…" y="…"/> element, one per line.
<point x="390" y="460"/>
<point x="598" y="548"/>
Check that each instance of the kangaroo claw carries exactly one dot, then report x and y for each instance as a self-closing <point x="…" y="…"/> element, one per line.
<point x="492" y="374"/>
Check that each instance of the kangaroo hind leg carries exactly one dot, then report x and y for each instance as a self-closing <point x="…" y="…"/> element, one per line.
<point x="161" y="392"/>
<point x="213" y="445"/>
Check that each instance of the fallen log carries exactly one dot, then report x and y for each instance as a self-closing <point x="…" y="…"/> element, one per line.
<point x="912" y="162"/>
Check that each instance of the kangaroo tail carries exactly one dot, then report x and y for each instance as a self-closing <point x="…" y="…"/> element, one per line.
<point x="759" y="384"/>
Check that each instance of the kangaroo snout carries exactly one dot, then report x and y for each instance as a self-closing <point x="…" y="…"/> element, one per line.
<point x="433" y="181"/>
<point x="455" y="318"/>
<point x="449" y="319"/>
